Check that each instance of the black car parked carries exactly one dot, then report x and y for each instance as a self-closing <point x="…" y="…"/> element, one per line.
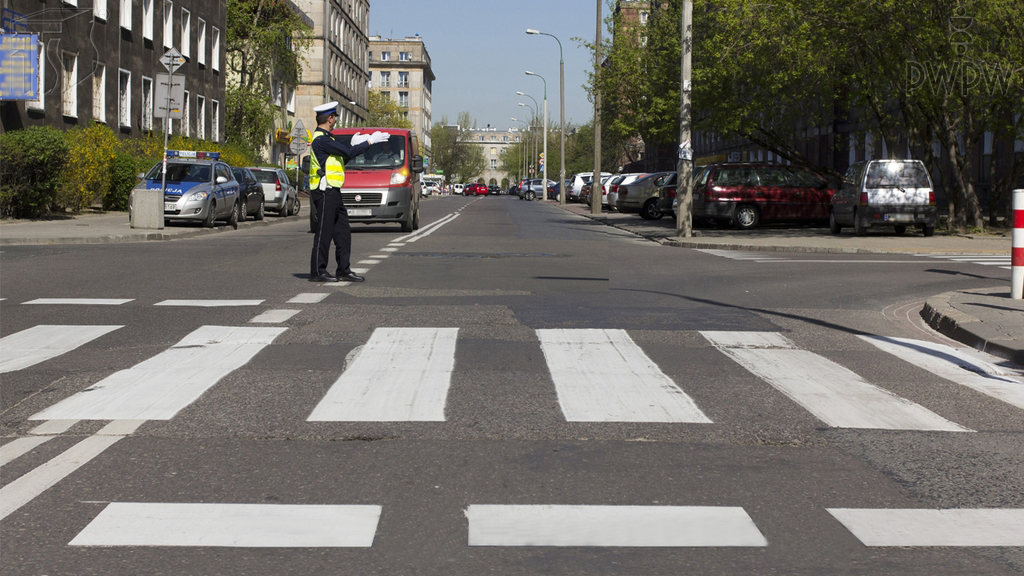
<point x="251" y="199"/>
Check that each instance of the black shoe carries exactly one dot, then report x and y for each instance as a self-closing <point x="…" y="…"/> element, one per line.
<point x="349" y="277"/>
<point x="322" y="278"/>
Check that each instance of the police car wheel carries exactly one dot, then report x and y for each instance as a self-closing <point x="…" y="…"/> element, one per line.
<point x="208" y="221"/>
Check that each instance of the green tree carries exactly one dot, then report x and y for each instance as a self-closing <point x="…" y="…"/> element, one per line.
<point x="383" y="112"/>
<point x="264" y="40"/>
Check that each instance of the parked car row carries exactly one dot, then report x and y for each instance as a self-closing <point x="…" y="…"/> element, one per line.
<point x="199" y="187"/>
<point x="897" y="193"/>
<point x="533" y="188"/>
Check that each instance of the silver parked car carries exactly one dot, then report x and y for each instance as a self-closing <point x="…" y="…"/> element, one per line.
<point x="641" y="196"/>
<point x="280" y="194"/>
<point x="199" y="188"/>
<point x="897" y="193"/>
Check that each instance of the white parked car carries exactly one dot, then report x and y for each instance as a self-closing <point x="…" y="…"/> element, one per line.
<point x="279" y="192"/>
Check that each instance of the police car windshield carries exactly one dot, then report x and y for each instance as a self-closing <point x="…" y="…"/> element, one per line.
<point x="181" y="172"/>
<point x="390" y="154"/>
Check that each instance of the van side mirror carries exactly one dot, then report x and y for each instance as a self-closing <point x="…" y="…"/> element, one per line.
<point x="305" y="164"/>
<point x="417" y="164"/>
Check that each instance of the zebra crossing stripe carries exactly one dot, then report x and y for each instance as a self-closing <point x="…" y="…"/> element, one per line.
<point x="157" y="388"/>
<point x="22" y="490"/>
<point x="20" y="446"/>
<point x="401" y="374"/>
<point x="954" y="527"/>
<point x="81" y="301"/>
<point x="830" y="392"/>
<point x="231" y="525"/>
<point x="636" y="526"/>
<point x="952" y="364"/>
<point x="274" y="316"/>
<point x="603" y="376"/>
<point x="209" y="303"/>
<point x="308" y="298"/>
<point x="43" y="342"/>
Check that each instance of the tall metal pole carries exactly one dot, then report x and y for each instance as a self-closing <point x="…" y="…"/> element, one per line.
<point x="684" y="166"/>
<point x="595" y="193"/>
<point x="561" y="121"/>
<point x="544" y="179"/>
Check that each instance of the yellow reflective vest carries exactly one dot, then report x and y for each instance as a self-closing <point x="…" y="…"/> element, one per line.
<point x="335" y="169"/>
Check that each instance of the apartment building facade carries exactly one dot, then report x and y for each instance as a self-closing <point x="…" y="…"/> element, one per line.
<point x="401" y="68"/>
<point x="99" y="61"/>
<point x="493" y="143"/>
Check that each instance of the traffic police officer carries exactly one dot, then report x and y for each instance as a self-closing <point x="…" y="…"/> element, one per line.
<point x="326" y="177"/>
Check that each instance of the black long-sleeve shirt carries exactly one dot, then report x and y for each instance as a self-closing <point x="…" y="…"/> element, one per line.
<point x="323" y="147"/>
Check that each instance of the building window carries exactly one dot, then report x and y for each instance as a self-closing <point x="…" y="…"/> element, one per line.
<point x="147" y="103"/>
<point x="494" y="163"/>
<point x="385" y="56"/>
<point x="99" y="89"/>
<point x="168" y="24"/>
<point x="403" y="99"/>
<point x="201" y="43"/>
<point x="186" y="117"/>
<point x="147" y="19"/>
<point x="37" y="104"/>
<point x="385" y="79"/>
<point x="215" y="49"/>
<point x="200" y="117"/>
<point x="494" y="150"/>
<point x="186" y="33"/>
<point x="215" y="121"/>
<point x="275" y="92"/>
<point x="403" y="57"/>
<point x="99" y="9"/>
<point x="403" y="79"/>
<point x="124" y="98"/>
<point x="126" y="14"/>
<point x="291" y="100"/>
<point x="69" y="84"/>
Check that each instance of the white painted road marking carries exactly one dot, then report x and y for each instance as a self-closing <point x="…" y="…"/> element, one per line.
<point x="231" y="525"/>
<point x="209" y="303"/>
<point x="82" y="301"/>
<point x="20" y="446"/>
<point x="43" y="342"/>
<point x="954" y="365"/>
<point x="834" y="394"/>
<point x="274" y="316"/>
<point x="309" y="298"/>
<point x="156" y="389"/>
<point x="647" y="526"/>
<point x="401" y="374"/>
<point x="955" y="527"/>
<point x="603" y="376"/>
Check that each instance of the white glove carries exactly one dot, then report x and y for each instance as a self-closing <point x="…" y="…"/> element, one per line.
<point x="359" y="138"/>
<point x="378" y="137"/>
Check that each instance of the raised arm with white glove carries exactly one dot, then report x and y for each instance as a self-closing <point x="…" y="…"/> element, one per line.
<point x="378" y="137"/>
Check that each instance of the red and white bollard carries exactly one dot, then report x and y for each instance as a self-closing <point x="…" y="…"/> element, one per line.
<point x="1017" y="260"/>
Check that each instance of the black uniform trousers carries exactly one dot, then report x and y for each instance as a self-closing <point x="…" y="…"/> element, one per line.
<point x="332" y="225"/>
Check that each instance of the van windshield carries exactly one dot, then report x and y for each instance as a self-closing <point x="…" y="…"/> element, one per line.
<point x="390" y="154"/>
<point x="897" y="175"/>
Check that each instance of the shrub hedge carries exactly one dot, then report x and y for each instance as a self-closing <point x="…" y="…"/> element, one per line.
<point x="43" y="169"/>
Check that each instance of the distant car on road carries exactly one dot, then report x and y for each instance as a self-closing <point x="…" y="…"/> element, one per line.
<point x="475" y="189"/>
<point x="494" y="189"/>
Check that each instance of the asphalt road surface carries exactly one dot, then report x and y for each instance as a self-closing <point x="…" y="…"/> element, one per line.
<point x="513" y="390"/>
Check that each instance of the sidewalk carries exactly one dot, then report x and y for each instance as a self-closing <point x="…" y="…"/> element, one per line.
<point x="986" y="319"/>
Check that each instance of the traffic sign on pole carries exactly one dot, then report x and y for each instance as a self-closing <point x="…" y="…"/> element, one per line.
<point x="172" y="60"/>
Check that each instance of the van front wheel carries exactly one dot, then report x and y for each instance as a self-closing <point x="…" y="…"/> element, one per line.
<point x="746" y="217"/>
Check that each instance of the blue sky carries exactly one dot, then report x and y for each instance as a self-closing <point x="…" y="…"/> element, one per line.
<point x="479" y="51"/>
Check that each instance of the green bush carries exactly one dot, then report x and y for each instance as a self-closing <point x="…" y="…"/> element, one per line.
<point x="123" y="178"/>
<point x="88" y="171"/>
<point x="32" y="163"/>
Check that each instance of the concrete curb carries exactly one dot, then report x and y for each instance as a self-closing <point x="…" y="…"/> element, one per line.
<point x="968" y="330"/>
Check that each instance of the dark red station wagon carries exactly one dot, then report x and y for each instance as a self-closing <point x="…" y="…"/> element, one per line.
<point x="747" y="194"/>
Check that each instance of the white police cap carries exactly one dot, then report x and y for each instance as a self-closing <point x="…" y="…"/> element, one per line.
<point x="328" y="107"/>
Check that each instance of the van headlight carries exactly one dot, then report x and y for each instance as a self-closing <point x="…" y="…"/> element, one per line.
<point x="399" y="176"/>
<point x="198" y="196"/>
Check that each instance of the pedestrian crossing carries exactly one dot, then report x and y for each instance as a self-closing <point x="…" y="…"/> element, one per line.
<point x="405" y="374"/>
<point x="1000" y="261"/>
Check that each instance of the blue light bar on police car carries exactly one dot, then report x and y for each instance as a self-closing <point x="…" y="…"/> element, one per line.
<point x="193" y="154"/>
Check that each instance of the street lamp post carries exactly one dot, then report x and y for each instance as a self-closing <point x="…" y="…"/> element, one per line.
<point x="533" y="112"/>
<point x="522" y="158"/>
<point x="544" y="179"/>
<point x="561" y="120"/>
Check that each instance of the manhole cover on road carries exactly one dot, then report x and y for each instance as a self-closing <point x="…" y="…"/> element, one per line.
<point x="476" y="256"/>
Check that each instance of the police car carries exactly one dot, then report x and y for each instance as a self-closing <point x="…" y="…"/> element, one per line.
<point x="199" y="187"/>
